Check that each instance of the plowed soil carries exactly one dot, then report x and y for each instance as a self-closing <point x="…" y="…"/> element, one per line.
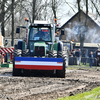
<point x="46" y="88"/>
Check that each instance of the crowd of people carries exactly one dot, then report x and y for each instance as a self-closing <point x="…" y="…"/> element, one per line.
<point x="77" y="54"/>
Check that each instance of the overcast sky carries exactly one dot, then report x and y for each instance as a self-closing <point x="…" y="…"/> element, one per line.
<point x="67" y="12"/>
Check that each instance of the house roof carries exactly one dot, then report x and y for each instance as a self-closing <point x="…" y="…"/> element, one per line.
<point x="76" y="15"/>
<point x="88" y="44"/>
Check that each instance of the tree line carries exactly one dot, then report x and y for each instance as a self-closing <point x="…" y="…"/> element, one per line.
<point x="13" y="12"/>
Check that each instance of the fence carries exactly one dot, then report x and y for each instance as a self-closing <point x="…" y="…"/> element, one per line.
<point x="83" y="61"/>
<point x="4" y="54"/>
<point x="9" y="41"/>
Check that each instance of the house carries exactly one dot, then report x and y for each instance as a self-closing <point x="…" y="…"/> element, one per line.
<point x="87" y="29"/>
<point x="88" y="47"/>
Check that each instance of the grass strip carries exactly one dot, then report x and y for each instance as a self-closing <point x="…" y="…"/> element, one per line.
<point x="90" y="95"/>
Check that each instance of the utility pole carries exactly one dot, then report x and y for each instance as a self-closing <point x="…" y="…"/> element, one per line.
<point x="12" y="42"/>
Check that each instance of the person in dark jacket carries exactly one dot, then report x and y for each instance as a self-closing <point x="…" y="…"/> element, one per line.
<point x="91" y="58"/>
<point x="73" y="53"/>
<point x="78" y="55"/>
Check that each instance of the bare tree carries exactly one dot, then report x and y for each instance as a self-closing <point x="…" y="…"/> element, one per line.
<point x="6" y="9"/>
<point x="33" y="16"/>
<point x="95" y="6"/>
<point x="70" y="6"/>
<point x="2" y="17"/>
<point x="12" y="43"/>
<point x="86" y="12"/>
<point x="78" y="2"/>
<point x="80" y="31"/>
<point x="54" y="7"/>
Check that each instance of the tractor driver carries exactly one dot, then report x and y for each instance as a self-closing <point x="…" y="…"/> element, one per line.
<point x="46" y="36"/>
<point x="39" y="34"/>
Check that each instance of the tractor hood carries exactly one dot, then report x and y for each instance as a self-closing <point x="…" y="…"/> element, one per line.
<point x="40" y="44"/>
<point x="39" y="49"/>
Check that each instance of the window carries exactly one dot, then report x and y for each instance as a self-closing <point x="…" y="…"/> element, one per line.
<point x="41" y="33"/>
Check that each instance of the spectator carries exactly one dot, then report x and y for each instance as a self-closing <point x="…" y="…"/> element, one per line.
<point x="78" y="55"/>
<point x="73" y="53"/>
<point x="91" y="58"/>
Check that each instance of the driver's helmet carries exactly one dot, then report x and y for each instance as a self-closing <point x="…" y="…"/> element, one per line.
<point x="39" y="30"/>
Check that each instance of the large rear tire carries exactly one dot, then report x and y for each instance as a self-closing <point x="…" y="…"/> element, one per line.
<point x="25" y="53"/>
<point x="16" y="72"/>
<point x="50" y="73"/>
<point x="61" y="73"/>
<point x="20" y="72"/>
<point x="52" y="54"/>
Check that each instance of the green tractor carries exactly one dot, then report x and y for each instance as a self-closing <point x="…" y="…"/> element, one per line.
<point x="39" y="52"/>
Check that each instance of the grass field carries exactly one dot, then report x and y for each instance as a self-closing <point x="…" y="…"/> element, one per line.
<point x="91" y="95"/>
<point x="83" y="66"/>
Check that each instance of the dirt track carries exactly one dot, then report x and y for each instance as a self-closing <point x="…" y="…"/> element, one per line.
<point x="45" y="88"/>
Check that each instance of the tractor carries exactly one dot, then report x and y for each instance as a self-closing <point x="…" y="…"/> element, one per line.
<point x="40" y="52"/>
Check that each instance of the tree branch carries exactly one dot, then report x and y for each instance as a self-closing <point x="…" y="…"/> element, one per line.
<point x="95" y="7"/>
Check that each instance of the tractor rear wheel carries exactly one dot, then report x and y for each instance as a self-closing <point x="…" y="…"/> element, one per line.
<point x="52" y="54"/>
<point x="16" y="72"/>
<point x="20" y="53"/>
<point x="61" y="73"/>
<point x="25" y="53"/>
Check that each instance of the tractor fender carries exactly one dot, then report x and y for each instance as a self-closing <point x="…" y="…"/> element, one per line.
<point x="60" y="46"/>
<point x="21" y="45"/>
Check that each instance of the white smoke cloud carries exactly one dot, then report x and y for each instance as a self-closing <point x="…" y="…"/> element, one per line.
<point x="70" y="34"/>
<point x="91" y="34"/>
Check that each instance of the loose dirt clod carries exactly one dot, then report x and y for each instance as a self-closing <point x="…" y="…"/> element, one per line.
<point x="46" y="88"/>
